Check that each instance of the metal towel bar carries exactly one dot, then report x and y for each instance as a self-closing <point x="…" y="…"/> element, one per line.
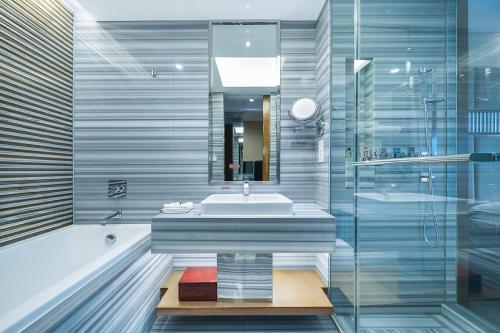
<point x="473" y="157"/>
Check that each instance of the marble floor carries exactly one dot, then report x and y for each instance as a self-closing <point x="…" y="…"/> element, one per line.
<point x="488" y="309"/>
<point x="285" y="324"/>
<point x="407" y="324"/>
<point x="306" y="324"/>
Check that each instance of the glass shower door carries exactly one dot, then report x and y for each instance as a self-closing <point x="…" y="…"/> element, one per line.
<point x="478" y="109"/>
<point x="428" y="259"/>
<point x="402" y="111"/>
<point x="477" y="271"/>
<point x="426" y="214"/>
<point x="416" y="112"/>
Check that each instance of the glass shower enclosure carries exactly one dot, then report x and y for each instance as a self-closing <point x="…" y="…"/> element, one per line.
<point x="415" y="175"/>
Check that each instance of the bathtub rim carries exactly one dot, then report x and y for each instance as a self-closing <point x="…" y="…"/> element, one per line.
<point x="33" y="309"/>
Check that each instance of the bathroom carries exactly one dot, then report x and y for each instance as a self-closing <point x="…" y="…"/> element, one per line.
<point x="321" y="166"/>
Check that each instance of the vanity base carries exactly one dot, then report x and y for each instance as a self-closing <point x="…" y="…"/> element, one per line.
<point x="245" y="276"/>
<point x="295" y="293"/>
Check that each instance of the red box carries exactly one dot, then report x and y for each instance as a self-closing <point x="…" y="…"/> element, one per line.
<point x="198" y="284"/>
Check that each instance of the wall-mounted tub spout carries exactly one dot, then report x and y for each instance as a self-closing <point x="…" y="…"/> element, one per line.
<point x="117" y="214"/>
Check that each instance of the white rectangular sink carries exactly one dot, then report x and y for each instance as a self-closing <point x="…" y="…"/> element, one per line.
<point x="253" y="205"/>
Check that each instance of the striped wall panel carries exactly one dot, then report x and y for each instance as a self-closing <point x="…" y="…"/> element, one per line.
<point x="323" y="96"/>
<point x="128" y="125"/>
<point x="298" y="74"/>
<point x="274" y="145"/>
<point x="342" y="275"/>
<point x="154" y="131"/>
<point x="36" y="126"/>
<point x="216" y="137"/>
<point x="280" y="260"/>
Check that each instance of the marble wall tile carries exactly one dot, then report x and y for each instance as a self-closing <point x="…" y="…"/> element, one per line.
<point x="36" y="119"/>
<point x="247" y="276"/>
<point x="154" y="131"/>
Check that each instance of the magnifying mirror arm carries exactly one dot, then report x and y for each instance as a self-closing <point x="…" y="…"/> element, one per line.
<point x="319" y="126"/>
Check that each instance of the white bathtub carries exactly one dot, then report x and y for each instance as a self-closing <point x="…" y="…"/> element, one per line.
<point x="39" y="273"/>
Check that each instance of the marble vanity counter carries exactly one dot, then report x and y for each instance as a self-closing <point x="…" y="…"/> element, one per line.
<point x="310" y="229"/>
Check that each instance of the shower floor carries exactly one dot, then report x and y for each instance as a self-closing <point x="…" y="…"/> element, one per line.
<point x="404" y="324"/>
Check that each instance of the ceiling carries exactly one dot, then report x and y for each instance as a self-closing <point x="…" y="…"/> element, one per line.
<point x="143" y="10"/>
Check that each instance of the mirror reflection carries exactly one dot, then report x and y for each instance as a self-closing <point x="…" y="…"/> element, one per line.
<point x="244" y="102"/>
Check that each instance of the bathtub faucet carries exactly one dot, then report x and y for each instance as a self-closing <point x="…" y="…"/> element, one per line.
<point x="117" y="214"/>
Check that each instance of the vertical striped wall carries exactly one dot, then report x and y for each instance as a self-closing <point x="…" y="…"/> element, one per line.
<point x="36" y="97"/>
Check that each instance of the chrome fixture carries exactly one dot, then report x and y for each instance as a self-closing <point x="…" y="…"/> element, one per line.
<point x="117" y="189"/>
<point x="110" y="239"/>
<point x="246" y="186"/>
<point x="304" y="111"/>
<point x="429" y="100"/>
<point x="320" y="127"/>
<point x="154" y="73"/>
<point x="408" y="67"/>
<point x="117" y="214"/>
<point x="472" y="157"/>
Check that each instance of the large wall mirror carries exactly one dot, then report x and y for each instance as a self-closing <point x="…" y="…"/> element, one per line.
<point x="244" y="102"/>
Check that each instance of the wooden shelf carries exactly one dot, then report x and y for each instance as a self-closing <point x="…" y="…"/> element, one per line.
<point x="295" y="292"/>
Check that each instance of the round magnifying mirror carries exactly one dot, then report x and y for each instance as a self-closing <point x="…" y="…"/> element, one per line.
<point x="304" y="110"/>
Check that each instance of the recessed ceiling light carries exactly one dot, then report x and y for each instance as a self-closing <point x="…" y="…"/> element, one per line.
<point x="179" y="66"/>
<point x="240" y="140"/>
<point x="251" y="100"/>
<point x="238" y="129"/>
<point x="248" y="71"/>
<point x="248" y="44"/>
<point x="394" y="70"/>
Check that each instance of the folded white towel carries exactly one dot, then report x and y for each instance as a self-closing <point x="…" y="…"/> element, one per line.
<point x="178" y="205"/>
<point x="177" y="208"/>
<point x="175" y="211"/>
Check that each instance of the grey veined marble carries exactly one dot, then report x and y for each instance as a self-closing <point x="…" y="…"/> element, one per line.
<point x="309" y="230"/>
<point x="245" y="276"/>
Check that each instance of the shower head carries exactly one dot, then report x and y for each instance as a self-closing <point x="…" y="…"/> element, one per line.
<point x="425" y="70"/>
